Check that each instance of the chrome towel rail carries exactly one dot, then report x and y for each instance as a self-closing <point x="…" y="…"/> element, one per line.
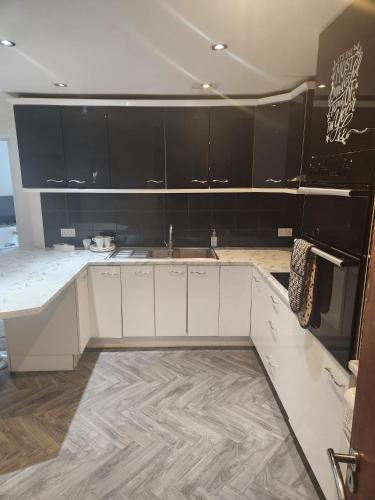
<point x="327" y="256"/>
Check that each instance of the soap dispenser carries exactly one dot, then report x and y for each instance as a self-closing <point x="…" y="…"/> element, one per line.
<point x="213" y="239"/>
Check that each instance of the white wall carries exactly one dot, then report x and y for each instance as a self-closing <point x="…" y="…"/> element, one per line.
<point x="27" y="205"/>
<point x="6" y="188"/>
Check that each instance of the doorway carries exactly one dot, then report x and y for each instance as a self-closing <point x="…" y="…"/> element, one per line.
<point x="8" y="226"/>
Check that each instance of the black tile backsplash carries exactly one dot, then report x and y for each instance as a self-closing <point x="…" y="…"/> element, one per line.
<point x="240" y="219"/>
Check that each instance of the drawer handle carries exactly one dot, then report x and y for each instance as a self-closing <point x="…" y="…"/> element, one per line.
<point x="199" y="181"/>
<point x="274" y="301"/>
<point x="143" y="273"/>
<point x="77" y="181"/>
<point x="55" y="180"/>
<point x="175" y="273"/>
<point x="332" y="377"/>
<point x="221" y="181"/>
<point x="275" y="181"/>
<point x="199" y="273"/>
<point x="154" y="181"/>
<point x="109" y="274"/>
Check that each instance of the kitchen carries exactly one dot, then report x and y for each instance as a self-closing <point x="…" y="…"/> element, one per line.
<point x="190" y="301"/>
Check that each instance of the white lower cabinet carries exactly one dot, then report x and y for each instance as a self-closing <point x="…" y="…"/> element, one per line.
<point x="235" y="301"/>
<point x="203" y="300"/>
<point x="309" y="382"/>
<point x="83" y="309"/>
<point x="138" y="306"/>
<point x="105" y="301"/>
<point x="170" y="300"/>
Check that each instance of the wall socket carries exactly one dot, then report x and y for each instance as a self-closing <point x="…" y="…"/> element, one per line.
<point x="68" y="232"/>
<point x="285" y="231"/>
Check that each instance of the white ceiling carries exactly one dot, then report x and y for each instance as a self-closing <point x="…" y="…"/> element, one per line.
<point x="160" y="46"/>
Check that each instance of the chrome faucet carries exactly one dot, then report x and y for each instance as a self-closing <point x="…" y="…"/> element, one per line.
<point x="170" y="241"/>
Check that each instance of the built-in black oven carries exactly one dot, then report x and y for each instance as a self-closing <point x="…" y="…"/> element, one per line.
<point x="338" y="228"/>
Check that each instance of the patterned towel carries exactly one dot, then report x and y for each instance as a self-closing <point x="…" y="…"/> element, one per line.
<point x="300" y="265"/>
<point x="305" y="314"/>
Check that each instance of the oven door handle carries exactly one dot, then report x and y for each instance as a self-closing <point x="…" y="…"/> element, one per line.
<point x="331" y="258"/>
<point x="332" y="191"/>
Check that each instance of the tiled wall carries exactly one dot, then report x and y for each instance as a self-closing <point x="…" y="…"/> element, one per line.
<point x="241" y="219"/>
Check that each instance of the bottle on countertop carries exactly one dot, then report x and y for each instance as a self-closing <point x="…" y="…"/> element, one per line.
<point x="213" y="239"/>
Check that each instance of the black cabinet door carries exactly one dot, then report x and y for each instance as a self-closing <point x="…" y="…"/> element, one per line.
<point x="296" y="141"/>
<point x="40" y="146"/>
<point x="187" y="137"/>
<point x="137" y="149"/>
<point x="270" y="145"/>
<point x="86" y="146"/>
<point x="231" y="146"/>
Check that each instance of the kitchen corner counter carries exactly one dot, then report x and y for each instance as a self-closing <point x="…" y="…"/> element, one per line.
<point x="30" y="278"/>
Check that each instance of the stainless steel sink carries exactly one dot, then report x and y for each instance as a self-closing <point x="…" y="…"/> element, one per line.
<point x="194" y="253"/>
<point x="163" y="253"/>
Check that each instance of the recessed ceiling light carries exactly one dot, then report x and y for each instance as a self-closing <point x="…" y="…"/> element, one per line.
<point x="206" y="86"/>
<point x="322" y="86"/>
<point x="219" y="46"/>
<point x="7" y="43"/>
<point x="60" y="84"/>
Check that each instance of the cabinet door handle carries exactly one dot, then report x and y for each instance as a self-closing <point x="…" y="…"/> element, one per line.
<point x="256" y="279"/>
<point x="332" y="377"/>
<point x="272" y="326"/>
<point x="276" y="181"/>
<point x="154" y="181"/>
<point x="222" y="181"/>
<point x="199" y="181"/>
<point x="269" y="359"/>
<point x="55" y="180"/>
<point x="274" y="301"/>
<point x="175" y="272"/>
<point x="198" y="273"/>
<point x="77" y="181"/>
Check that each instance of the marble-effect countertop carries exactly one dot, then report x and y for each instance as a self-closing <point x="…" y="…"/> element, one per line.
<point x="31" y="278"/>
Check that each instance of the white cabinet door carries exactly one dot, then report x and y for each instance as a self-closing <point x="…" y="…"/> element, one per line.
<point x="138" y="301"/>
<point x="83" y="308"/>
<point x="105" y="301"/>
<point x="203" y="301"/>
<point x="235" y="301"/>
<point x="170" y="300"/>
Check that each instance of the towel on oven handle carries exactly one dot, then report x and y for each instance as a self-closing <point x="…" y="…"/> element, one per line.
<point x="300" y="266"/>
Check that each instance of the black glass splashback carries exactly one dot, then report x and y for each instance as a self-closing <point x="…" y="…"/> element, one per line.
<point x="242" y="219"/>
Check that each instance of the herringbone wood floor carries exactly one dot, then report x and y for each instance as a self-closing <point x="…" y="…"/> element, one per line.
<point x="171" y="425"/>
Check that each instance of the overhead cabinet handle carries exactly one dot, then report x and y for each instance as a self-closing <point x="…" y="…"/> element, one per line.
<point x="222" y="181"/>
<point x="199" y="181"/>
<point x="55" y="180"/>
<point x="77" y="181"/>
<point x="154" y="181"/>
<point x="274" y="180"/>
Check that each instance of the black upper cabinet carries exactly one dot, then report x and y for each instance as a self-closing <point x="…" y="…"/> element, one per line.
<point x="270" y="145"/>
<point x="231" y="146"/>
<point x="137" y="149"/>
<point x="86" y="146"/>
<point x="40" y="146"/>
<point x="187" y="143"/>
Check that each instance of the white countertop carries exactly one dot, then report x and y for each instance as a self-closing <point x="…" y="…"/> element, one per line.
<point x="31" y="278"/>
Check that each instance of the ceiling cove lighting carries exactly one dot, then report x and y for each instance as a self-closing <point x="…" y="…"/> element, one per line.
<point x="7" y="43"/>
<point x="60" y="84"/>
<point x="322" y="86"/>
<point x="219" y="46"/>
<point x="206" y="86"/>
